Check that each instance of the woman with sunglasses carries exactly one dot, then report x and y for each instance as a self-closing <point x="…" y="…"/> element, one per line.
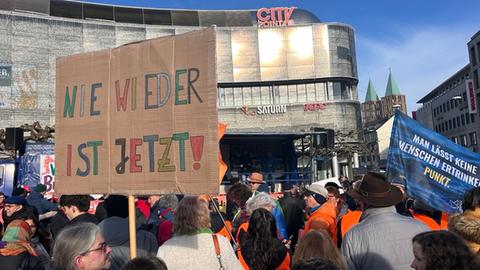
<point x="81" y="246"/>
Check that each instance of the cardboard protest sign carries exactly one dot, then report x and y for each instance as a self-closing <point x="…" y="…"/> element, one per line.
<point x="433" y="168"/>
<point x="139" y="119"/>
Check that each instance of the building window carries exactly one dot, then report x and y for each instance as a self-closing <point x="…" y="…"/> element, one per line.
<point x="451" y="103"/>
<point x="463" y="140"/>
<point x="454" y="124"/>
<point x="467" y="118"/>
<point x="473" y="117"/>
<point x="478" y="50"/>
<point x="444" y="108"/>
<point x="448" y="106"/>
<point x="473" y="138"/>
<point x="458" y="121"/>
<point x="473" y="56"/>
<point x="463" y="119"/>
<point x="475" y="78"/>
<point x="464" y="95"/>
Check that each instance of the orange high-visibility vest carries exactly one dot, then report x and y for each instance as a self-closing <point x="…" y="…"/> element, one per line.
<point x="325" y="215"/>
<point x="430" y="222"/>
<point x="225" y="229"/>
<point x="349" y="220"/>
<point x="243" y="227"/>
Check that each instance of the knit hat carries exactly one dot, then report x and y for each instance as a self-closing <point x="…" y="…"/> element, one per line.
<point x="40" y="188"/>
<point x="16" y="200"/>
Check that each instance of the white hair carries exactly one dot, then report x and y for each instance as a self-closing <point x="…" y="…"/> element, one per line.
<point x="261" y="200"/>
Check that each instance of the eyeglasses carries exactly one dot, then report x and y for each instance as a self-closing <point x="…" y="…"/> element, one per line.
<point x="103" y="247"/>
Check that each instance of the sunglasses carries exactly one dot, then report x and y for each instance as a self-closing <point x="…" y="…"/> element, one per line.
<point x="103" y="248"/>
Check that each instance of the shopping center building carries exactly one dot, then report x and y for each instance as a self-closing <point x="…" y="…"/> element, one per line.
<point x="281" y="73"/>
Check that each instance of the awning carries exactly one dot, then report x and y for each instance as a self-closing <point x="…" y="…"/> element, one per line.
<point x="248" y="135"/>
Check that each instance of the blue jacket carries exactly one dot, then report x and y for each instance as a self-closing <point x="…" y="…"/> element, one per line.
<point x="280" y="220"/>
<point x="42" y="205"/>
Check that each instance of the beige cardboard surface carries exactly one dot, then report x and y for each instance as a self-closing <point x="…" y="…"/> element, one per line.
<point x="142" y="120"/>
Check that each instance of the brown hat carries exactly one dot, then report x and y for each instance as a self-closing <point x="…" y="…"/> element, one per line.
<point x="256" y="177"/>
<point x="376" y="191"/>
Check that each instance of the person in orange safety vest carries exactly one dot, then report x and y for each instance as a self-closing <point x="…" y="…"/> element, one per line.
<point x="322" y="211"/>
<point x="434" y="219"/>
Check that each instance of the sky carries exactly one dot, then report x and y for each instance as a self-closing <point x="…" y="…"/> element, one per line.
<point x="424" y="42"/>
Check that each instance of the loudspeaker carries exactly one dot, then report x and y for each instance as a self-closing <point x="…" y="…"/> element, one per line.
<point x="323" y="138"/>
<point x="13" y="138"/>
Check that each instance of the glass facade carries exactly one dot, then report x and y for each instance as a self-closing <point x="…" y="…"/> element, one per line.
<point x="284" y="94"/>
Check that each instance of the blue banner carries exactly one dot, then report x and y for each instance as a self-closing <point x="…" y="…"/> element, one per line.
<point x="29" y="165"/>
<point x="433" y="168"/>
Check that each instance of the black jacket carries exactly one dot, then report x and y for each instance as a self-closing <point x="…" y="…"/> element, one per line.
<point x="85" y="217"/>
<point x="23" y="261"/>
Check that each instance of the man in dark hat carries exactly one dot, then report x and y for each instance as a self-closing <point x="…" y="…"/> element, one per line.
<point x="383" y="238"/>
<point x="16" y="207"/>
<point x="36" y="199"/>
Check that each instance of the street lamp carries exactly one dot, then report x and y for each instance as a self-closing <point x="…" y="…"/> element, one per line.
<point x="457" y="97"/>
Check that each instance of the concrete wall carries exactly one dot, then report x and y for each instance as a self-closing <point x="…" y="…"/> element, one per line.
<point x="30" y="44"/>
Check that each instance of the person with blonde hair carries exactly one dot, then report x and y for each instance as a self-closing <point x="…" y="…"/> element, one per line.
<point x="467" y="227"/>
<point x="194" y="243"/>
<point x="318" y="244"/>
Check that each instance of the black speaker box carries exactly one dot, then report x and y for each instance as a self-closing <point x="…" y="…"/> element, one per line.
<point x="13" y="138"/>
<point x="323" y="138"/>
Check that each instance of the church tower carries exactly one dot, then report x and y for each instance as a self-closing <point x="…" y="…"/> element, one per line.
<point x="393" y="99"/>
<point x="371" y="109"/>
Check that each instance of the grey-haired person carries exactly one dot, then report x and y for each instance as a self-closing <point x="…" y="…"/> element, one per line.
<point x="81" y="247"/>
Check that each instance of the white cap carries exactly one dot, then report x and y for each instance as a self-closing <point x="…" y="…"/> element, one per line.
<point x="318" y="188"/>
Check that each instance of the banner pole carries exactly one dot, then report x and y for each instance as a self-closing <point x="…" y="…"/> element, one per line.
<point x="223" y="221"/>
<point x="131" y="226"/>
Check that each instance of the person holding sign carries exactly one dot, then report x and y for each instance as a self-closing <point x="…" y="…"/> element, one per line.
<point x="194" y="243"/>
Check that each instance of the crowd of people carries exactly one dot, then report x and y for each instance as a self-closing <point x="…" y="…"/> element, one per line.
<point x="367" y="223"/>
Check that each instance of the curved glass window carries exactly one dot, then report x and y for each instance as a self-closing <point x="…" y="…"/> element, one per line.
<point x="285" y="94"/>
